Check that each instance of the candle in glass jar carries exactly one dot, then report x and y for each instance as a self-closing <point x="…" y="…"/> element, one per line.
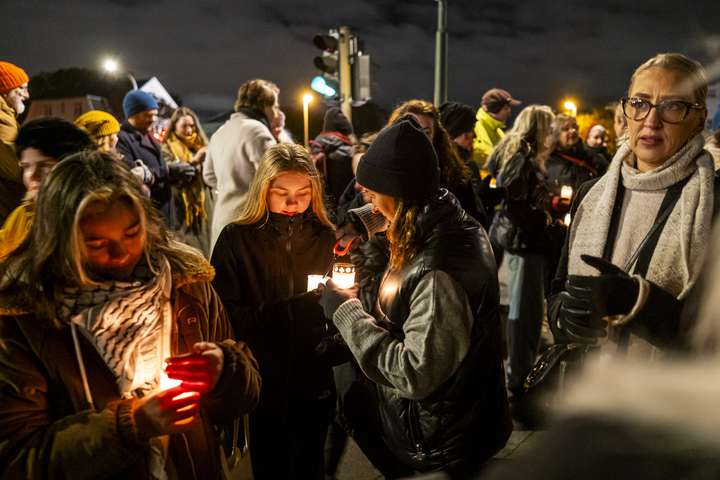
<point x="343" y="275"/>
<point x="566" y="192"/>
<point x="313" y="281"/>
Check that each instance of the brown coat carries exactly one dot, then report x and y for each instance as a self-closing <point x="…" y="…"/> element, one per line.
<point x="47" y="428"/>
<point x="11" y="187"/>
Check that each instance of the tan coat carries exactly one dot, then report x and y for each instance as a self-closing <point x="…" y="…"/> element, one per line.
<point x="11" y="187"/>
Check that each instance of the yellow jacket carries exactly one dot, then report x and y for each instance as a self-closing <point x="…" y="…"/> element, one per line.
<point x="488" y="133"/>
<point x="15" y="229"/>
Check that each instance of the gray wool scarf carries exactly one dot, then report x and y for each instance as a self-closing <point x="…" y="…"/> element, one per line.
<point x="681" y="247"/>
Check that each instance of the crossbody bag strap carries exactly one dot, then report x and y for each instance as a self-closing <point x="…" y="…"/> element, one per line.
<point x="644" y="252"/>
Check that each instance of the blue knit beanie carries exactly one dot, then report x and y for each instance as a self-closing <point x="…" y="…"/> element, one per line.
<point x="137" y="101"/>
<point x="715" y="124"/>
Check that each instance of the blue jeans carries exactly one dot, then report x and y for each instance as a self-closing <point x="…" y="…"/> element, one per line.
<point x="526" y="295"/>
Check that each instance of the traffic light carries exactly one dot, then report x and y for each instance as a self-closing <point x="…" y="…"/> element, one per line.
<point x="328" y="83"/>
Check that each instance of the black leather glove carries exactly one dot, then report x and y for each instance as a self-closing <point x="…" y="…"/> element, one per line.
<point x="332" y="296"/>
<point x="586" y="300"/>
<point x="180" y="172"/>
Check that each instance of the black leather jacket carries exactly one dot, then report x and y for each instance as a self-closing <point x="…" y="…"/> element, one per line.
<point x="466" y="419"/>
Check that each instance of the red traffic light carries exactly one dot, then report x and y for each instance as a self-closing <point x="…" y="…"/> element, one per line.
<point x="326" y="42"/>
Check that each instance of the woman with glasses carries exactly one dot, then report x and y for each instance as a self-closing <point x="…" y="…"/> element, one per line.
<point x="639" y="233"/>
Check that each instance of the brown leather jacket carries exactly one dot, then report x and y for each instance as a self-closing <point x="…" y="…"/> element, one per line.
<point x="49" y="430"/>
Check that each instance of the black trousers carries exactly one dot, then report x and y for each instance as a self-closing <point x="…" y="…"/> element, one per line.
<point x="291" y="447"/>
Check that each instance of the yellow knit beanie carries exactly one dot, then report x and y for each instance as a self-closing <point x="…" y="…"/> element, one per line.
<point x="98" y="123"/>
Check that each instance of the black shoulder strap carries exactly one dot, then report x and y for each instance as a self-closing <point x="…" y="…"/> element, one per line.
<point x="643" y="254"/>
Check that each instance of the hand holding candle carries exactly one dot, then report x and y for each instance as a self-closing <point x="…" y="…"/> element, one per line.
<point x="165" y="412"/>
<point x="200" y="370"/>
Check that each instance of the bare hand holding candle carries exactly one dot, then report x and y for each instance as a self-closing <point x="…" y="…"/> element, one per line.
<point x="198" y="371"/>
<point x="165" y="412"/>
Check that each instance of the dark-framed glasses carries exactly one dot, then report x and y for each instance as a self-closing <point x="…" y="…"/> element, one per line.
<point x="669" y="111"/>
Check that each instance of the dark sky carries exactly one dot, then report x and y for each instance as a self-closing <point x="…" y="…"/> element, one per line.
<point x="538" y="50"/>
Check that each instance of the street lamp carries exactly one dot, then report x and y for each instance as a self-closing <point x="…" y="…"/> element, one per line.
<point x="306" y="99"/>
<point x="570" y="106"/>
<point x="111" y="66"/>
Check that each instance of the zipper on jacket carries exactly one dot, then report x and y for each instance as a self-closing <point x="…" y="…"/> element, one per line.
<point x="415" y="432"/>
<point x="288" y="250"/>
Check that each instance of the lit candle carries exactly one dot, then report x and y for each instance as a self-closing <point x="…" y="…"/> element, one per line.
<point x="566" y="192"/>
<point x="343" y="275"/>
<point x="313" y="281"/>
<point x="493" y="183"/>
<point x="567" y="219"/>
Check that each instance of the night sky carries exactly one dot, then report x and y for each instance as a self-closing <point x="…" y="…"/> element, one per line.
<point x="203" y="50"/>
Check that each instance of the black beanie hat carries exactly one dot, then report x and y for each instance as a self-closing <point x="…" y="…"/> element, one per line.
<point x="401" y="163"/>
<point x="457" y="118"/>
<point x="336" y="121"/>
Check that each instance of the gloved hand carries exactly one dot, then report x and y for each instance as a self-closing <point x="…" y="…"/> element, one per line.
<point x="143" y="173"/>
<point x="586" y="300"/>
<point x="180" y="172"/>
<point x="332" y="296"/>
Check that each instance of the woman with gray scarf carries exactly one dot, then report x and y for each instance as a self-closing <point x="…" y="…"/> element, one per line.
<point x="639" y="233"/>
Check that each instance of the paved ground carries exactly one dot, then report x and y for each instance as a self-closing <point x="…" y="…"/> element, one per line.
<point x="354" y="465"/>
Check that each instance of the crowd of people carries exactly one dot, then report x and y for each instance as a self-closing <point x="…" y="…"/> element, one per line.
<point x="156" y="294"/>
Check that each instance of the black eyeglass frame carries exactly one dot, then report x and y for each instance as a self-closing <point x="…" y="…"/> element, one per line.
<point x="688" y="106"/>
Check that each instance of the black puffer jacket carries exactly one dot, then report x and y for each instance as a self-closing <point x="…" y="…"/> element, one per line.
<point x="261" y="277"/>
<point x="466" y="419"/>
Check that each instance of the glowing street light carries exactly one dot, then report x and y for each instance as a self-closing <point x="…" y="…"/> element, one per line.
<point x="306" y="99"/>
<point x="112" y="66"/>
<point x="570" y="107"/>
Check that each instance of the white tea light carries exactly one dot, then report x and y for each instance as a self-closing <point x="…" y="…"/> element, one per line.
<point x="566" y="192"/>
<point x="313" y="281"/>
<point x="567" y="219"/>
<point x="343" y="275"/>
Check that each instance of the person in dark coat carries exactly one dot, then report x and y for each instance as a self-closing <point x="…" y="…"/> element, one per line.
<point x="524" y="229"/>
<point x="331" y="153"/>
<point x="432" y="343"/>
<point x="570" y="164"/>
<point x="262" y="261"/>
<point x="455" y="174"/>
<point x="92" y="306"/>
<point x="639" y="233"/>
<point x="138" y="148"/>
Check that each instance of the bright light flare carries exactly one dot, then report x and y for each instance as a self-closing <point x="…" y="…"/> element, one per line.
<point x="110" y="65"/>
<point x="307" y="99"/>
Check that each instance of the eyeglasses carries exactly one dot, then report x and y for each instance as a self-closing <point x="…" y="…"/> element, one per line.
<point x="669" y="111"/>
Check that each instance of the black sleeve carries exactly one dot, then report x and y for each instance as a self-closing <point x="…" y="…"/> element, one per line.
<point x="660" y="322"/>
<point x="239" y="293"/>
<point x="124" y="149"/>
<point x="557" y="284"/>
<point x="520" y="205"/>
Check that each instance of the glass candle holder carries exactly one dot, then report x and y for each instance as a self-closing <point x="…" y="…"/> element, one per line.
<point x="343" y="275"/>
<point x="313" y="281"/>
<point x="566" y="192"/>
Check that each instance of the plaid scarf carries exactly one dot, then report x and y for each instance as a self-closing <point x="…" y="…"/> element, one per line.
<point x="123" y="320"/>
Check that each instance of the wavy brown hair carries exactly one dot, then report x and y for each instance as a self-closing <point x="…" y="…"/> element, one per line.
<point x="186" y="112"/>
<point x="403" y="235"/>
<point x="256" y="94"/>
<point x="453" y="171"/>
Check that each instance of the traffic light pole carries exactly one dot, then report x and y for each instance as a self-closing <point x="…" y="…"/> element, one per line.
<point x="441" y="53"/>
<point x="345" y="75"/>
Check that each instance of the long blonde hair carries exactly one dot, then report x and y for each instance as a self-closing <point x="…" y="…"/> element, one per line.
<point x="532" y="127"/>
<point x="279" y="159"/>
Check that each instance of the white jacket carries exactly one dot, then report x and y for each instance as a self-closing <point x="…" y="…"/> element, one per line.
<point x="232" y="159"/>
